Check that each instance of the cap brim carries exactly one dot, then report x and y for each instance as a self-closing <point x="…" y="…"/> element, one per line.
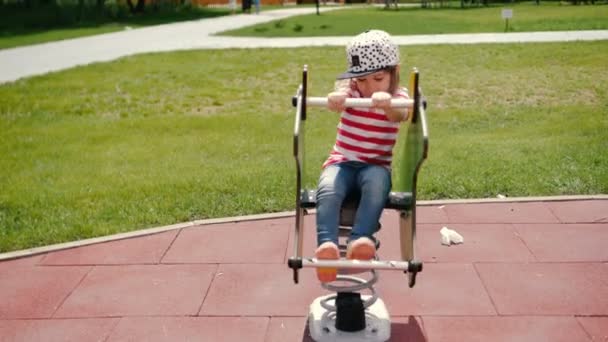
<point x="351" y="74"/>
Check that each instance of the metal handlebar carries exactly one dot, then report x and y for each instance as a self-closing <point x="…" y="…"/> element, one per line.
<point x="359" y="102"/>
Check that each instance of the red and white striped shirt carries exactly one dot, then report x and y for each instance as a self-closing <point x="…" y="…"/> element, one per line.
<point x="365" y="135"/>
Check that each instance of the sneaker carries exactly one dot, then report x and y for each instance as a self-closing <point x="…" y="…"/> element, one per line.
<point x="361" y="249"/>
<point x="327" y="251"/>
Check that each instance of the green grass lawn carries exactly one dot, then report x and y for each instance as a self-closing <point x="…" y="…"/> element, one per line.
<point x="549" y="16"/>
<point x="158" y="139"/>
<point x="21" y="26"/>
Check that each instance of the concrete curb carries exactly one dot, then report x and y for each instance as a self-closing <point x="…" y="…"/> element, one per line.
<point x="149" y="231"/>
<point x="515" y="199"/>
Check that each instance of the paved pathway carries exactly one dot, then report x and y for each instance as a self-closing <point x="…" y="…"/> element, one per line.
<point x="38" y="59"/>
<point x="527" y="271"/>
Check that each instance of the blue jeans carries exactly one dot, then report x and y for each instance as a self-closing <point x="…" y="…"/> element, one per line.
<point x="336" y="182"/>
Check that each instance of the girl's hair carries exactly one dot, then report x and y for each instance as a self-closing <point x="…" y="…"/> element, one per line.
<point x="394" y="73"/>
<point x="393" y="86"/>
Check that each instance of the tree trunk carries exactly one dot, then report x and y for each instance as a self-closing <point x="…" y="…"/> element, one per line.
<point x="130" y="4"/>
<point x="80" y="10"/>
<point x="138" y="8"/>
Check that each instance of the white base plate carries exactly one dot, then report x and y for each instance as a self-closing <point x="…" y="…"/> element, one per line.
<point x="322" y="324"/>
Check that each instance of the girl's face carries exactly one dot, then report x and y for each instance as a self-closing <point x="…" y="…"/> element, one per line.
<point x="378" y="81"/>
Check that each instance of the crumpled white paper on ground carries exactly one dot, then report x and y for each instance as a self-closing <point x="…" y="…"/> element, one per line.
<point x="450" y="236"/>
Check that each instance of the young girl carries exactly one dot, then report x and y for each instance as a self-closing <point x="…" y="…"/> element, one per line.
<point x="361" y="157"/>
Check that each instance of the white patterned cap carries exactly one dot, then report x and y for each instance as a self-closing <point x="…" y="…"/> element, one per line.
<point x="369" y="52"/>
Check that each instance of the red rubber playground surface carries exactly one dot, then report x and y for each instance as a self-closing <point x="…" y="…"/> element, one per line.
<point x="527" y="271"/>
